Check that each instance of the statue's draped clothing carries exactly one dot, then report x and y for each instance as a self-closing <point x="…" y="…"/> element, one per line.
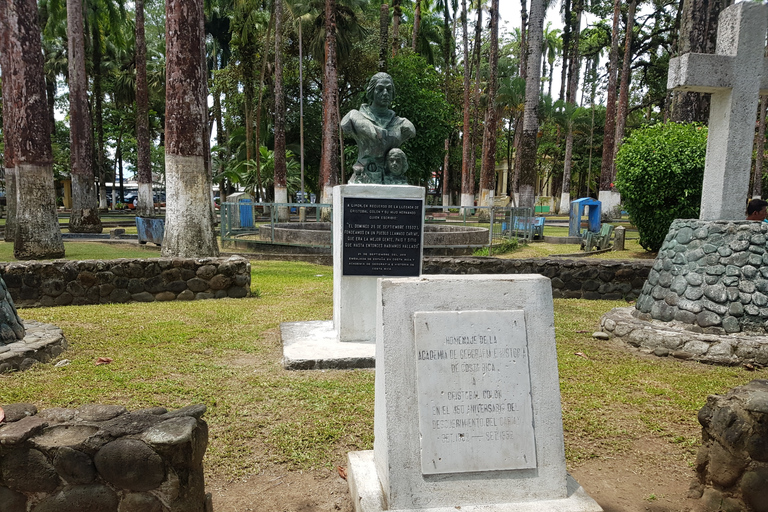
<point x="375" y="136"/>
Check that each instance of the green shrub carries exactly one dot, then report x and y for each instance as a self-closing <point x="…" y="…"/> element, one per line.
<point x="659" y="172"/>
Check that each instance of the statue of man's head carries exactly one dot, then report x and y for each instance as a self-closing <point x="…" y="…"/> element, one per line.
<point x="380" y="90"/>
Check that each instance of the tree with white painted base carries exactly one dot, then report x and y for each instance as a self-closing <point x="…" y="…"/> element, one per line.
<point x="37" y="234"/>
<point x="189" y="226"/>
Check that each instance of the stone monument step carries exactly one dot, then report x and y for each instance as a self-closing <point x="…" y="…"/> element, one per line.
<point x="315" y="345"/>
<point x="366" y="492"/>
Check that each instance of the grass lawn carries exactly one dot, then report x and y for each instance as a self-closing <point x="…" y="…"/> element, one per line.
<point x="226" y="354"/>
<point x="90" y="251"/>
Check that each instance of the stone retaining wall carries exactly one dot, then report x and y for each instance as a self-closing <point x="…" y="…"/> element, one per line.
<point x="571" y="278"/>
<point x="102" y="458"/>
<point x="61" y="283"/>
<point x="732" y="463"/>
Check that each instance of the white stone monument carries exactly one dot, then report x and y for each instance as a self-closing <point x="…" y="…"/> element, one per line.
<point x="467" y="411"/>
<point x="735" y="75"/>
<point x="378" y="230"/>
<point x="379" y="244"/>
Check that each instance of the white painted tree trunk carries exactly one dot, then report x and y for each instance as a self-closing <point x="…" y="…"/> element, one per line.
<point x="146" y="201"/>
<point x="610" y="200"/>
<point x="467" y="200"/>
<point x="565" y="203"/>
<point x="189" y="231"/>
<point x="37" y="233"/>
<point x="281" y="196"/>
<point x="446" y="199"/>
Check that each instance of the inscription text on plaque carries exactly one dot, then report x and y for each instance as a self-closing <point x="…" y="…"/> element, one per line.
<point x="382" y="237"/>
<point x="474" y="391"/>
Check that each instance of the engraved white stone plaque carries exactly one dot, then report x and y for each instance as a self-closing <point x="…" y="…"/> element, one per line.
<point x="474" y="391"/>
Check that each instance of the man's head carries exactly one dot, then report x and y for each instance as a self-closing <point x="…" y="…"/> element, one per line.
<point x="756" y="209"/>
<point x="397" y="162"/>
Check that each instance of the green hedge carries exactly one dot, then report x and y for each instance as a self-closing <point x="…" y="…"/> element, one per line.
<point x="659" y="173"/>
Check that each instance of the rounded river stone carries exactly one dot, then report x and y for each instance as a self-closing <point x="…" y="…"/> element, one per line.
<point x="130" y="464"/>
<point x="28" y="471"/>
<point x="140" y="502"/>
<point x="74" y="466"/>
<point x="81" y="498"/>
<point x="754" y="487"/>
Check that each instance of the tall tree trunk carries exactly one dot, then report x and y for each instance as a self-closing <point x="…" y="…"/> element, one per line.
<point x="621" y="116"/>
<point x="281" y="184"/>
<point x="9" y="163"/>
<point x="477" y="92"/>
<point x="146" y="200"/>
<point x="488" y="169"/>
<point x="757" y="184"/>
<point x="416" y="24"/>
<point x="698" y="34"/>
<point x="568" y="17"/>
<point x="383" y="37"/>
<point x="467" y="157"/>
<point x="573" y="85"/>
<point x="189" y="226"/>
<point x="85" y="212"/>
<point x="329" y="158"/>
<point x="98" y="111"/>
<point x="397" y="12"/>
<point x="527" y="149"/>
<point x="524" y="38"/>
<point x="446" y="184"/>
<point x="37" y="234"/>
<point x="258" y="107"/>
<point x="606" y="195"/>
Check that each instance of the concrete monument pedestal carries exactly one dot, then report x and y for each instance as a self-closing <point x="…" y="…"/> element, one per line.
<point x="467" y="411"/>
<point x="377" y="231"/>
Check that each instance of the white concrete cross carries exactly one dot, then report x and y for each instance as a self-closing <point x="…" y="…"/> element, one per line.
<point x="735" y="75"/>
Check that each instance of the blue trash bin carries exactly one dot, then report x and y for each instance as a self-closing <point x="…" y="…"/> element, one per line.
<point x="246" y="213"/>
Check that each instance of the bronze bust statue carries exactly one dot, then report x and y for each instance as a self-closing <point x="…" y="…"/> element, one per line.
<point x="378" y="131"/>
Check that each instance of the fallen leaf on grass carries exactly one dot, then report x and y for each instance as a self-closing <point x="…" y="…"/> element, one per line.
<point x="342" y="472"/>
<point x="103" y="360"/>
<point x="749" y="367"/>
<point x="2" y="415"/>
<point x="581" y="354"/>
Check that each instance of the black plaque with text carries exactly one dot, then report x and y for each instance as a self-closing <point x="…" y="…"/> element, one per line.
<point x="382" y="237"/>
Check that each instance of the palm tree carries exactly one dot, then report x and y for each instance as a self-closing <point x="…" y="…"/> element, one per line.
<point x="488" y="169"/>
<point x="552" y="47"/>
<point x="281" y="189"/>
<point x="397" y="13"/>
<point x="329" y="159"/>
<point x="8" y="125"/>
<point x="247" y="22"/>
<point x="621" y="116"/>
<point x="568" y="113"/>
<point x="526" y="154"/>
<point x="606" y="195"/>
<point x="467" y="166"/>
<point x="37" y="234"/>
<point x="189" y="224"/>
<point x="146" y="202"/>
<point x="85" y="213"/>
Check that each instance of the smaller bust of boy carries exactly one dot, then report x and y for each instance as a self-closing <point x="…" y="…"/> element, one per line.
<point x="397" y="165"/>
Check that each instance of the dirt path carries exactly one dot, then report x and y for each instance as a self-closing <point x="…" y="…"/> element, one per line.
<point x="652" y="477"/>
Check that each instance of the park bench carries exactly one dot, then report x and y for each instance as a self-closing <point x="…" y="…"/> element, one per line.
<point x="600" y="241"/>
<point x="525" y="224"/>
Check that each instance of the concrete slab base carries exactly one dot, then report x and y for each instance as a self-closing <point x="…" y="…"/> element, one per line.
<point x="367" y="494"/>
<point x="315" y="345"/>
